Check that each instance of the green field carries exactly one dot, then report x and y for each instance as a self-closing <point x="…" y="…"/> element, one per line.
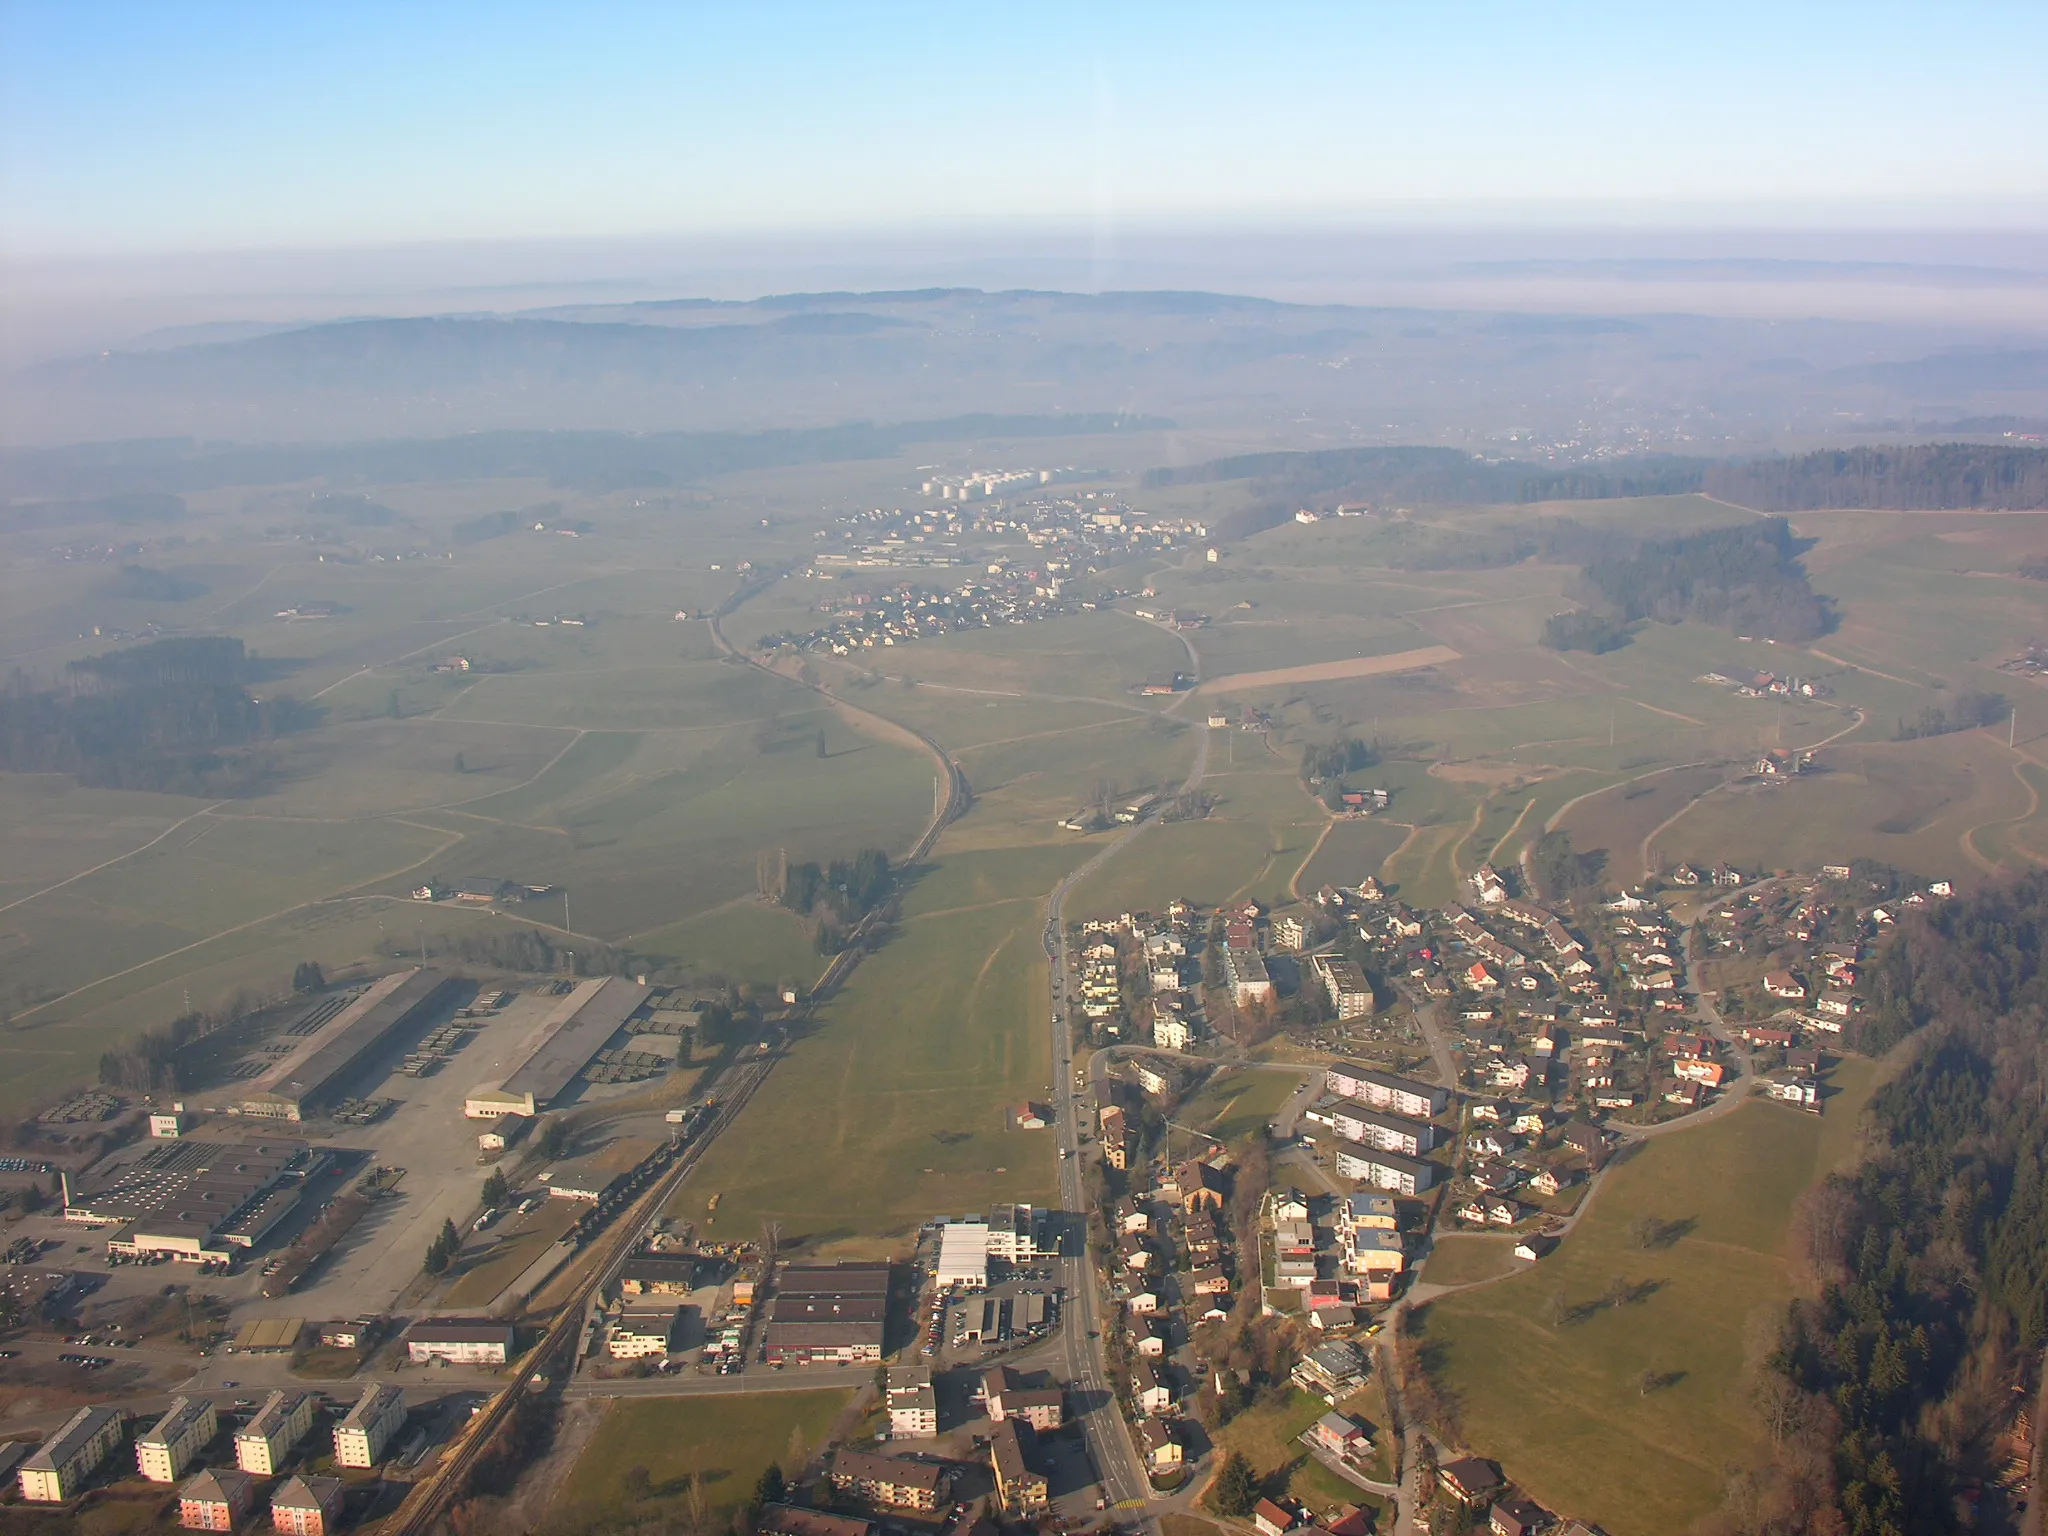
<point x="1731" y="1185"/>
<point x="1267" y="1437"/>
<point x="725" y="1442"/>
<point x="894" y="1106"/>
<point x="1238" y="1101"/>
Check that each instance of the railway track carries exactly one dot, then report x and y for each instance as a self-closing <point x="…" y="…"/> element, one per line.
<point x="432" y="1496"/>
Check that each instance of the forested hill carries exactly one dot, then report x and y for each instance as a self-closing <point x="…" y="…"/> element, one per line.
<point x="1926" y="477"/>
<point x="1892" y="1379"/>
<point x="156" y="717"/>
<point x="1931" y="477"/>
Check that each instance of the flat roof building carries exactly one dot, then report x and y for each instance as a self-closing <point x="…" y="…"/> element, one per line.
<point x="963" y="1255"/>
<point x="171" y="1444"/>
<point x="1386" y="1090"/>
<point x="642" y="1332"/>
<point x="192" y="1198"/>
<point x="317" y="1071"/>
<point x="575" y="1031"/>
<point x="1385" y="1170"/>
<point x="367" y="1428"/>
<point x="459" y="1340"/>
<point x="60" y="1466"/>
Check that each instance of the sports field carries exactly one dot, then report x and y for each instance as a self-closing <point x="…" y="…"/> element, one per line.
<point x="1728" y="1188"/>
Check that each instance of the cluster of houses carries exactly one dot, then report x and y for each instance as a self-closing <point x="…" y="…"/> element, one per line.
<point x="220" y="1498"/>
<point x="1165" y="951"/>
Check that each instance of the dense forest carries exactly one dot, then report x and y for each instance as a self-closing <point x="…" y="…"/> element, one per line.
<point x="838" y="895"/>
<point x="156" y="717"/>
<point x="1747" y="578"/>
<point x="1967" y="713"/>
<point x="1584" y="630"/>
<point x="1928" y="476"/>
<point x="593" y="461"/>
<point x="1931" y="476"/>
<point x="1887" y="1388"/>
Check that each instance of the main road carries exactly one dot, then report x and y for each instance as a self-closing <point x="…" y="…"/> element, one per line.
<point x="1110" y="1446"/>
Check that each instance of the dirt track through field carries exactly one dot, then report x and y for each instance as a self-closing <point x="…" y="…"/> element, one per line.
<point x="1334" y="671"/>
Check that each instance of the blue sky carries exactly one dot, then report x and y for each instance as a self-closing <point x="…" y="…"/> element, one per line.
<point x="186" y="126"/>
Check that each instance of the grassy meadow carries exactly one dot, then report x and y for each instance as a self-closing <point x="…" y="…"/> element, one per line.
<point x="723" y="1442"/>
<point x="1730" y="1186"/>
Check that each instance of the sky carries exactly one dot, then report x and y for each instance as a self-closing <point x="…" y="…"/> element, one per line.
<point x="130" y="130"/>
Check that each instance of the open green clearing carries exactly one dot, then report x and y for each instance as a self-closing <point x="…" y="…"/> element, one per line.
<point x="1238" y="1101"/>
<point x="1731" y="1186"/>
<point x="1461" y="1258"/>
<point x="725" y="1442"/>
<point x="1267" y="1435"/>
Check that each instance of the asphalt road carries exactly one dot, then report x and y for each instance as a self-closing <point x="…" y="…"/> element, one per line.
<point x="1081" y="1357"/>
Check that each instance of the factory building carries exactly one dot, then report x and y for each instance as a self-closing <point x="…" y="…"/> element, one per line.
<point x="572" y="1033"/>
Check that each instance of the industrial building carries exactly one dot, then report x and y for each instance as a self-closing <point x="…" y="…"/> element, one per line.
<point x="57" y="1471"/>
<point x="171" y="1445"/>
<point x="262" y="1444"/>
<point x="320" y="1067"/>
<point x="572" y="1033"/>
<point x="648" y="1275"/>
<point x="367" y="1428"/>
<point x="827" y="1314"/>
<point x="459" y="1340"/>
<point x="963" y="1255"/>
<point x="643" y="1331"/>
<point x="192" y="1199"/>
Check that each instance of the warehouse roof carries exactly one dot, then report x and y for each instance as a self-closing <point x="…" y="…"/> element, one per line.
<point x="576" y="1031"/>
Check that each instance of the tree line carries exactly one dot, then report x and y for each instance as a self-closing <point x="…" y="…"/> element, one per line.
<point x="1924" y="476"/>
<point x="154" y="717"/>
<point x="1967" y="713"/>
<point x="1884" y="1389"/>
<point x="836" y="896"/>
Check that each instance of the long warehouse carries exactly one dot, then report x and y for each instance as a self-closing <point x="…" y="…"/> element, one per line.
<point x="574" y="1032"/>
<point x="320" y="1067"/>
